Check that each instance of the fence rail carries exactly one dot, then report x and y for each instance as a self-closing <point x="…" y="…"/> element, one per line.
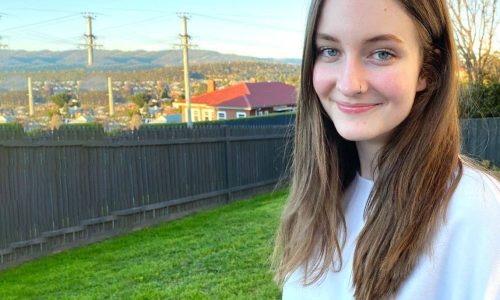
<point x="56" y="193"/>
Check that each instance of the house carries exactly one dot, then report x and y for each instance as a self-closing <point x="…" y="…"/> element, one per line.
<point x="4" y="119"/>
<point x="240" y="101"/>
<point x="166" y="119"/>
<point x="81" y="119"/>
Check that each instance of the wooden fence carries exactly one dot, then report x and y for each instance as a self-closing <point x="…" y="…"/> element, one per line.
<point x="72" y="187"/>
<point x="57" y="193"/>
<point x="481" y="139"/>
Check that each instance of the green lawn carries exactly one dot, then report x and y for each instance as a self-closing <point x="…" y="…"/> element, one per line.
<point x="219" y="254"/>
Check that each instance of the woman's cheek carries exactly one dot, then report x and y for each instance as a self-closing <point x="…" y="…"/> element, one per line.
<point x="321" y="81"/>
<point x="394" y="86"/>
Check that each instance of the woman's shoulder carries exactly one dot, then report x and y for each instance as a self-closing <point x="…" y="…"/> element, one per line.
<point x="478" y="185"/>
<point x="463" y="258"/>
<point x="476" y="197"/>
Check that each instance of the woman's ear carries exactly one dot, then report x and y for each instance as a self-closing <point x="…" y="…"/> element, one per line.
<point x="421" y="83"/>
<point x="422" y="80"/>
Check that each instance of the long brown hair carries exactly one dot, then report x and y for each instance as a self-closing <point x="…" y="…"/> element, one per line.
<point x="418" y="170"/>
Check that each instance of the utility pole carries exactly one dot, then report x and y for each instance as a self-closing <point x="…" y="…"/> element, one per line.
<point x="185" y="45"/>
<point x="110" y="97"/>
<point x="89" y="39"/>
<point x="30" y="97"/>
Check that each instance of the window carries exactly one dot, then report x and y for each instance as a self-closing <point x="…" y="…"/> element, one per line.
<point x="241" y="114"/>
<point x="196" y="114"/>
<point x="221" y="115"/>
<point x="207" y="115"/>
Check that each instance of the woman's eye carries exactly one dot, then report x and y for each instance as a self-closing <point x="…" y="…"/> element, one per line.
<point x="383" y="55"/>
<point x="328" y="52"/>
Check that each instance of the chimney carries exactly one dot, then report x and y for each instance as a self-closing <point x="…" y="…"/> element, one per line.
<point x="210" y="85"/>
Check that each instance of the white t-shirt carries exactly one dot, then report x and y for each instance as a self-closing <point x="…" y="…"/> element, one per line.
<point x="464" y="262"/>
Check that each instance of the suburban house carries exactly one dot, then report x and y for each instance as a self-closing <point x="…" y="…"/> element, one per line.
<point x="4" y="119"/>
<point x="81" y="119"/>
<point x="239" y="101"/>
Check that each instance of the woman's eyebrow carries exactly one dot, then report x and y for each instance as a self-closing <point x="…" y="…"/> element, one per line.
<point x="383" y="38"/>
<point x="326" y="37"/>
<point x="379" y="38"/>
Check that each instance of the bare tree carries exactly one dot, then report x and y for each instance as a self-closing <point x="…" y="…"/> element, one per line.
<point x="475" y="23"/>
<point x="135" y="122"/>
<point x="493" y="67"/>
<point x="55" y="121"/>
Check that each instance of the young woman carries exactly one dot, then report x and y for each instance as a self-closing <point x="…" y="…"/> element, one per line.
<point x="381" y="205"/>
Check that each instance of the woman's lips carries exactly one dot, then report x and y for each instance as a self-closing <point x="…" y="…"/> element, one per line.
<point x="355" y="108"/>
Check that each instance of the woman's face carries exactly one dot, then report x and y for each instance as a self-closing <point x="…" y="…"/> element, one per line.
<point x="367" y="70"/>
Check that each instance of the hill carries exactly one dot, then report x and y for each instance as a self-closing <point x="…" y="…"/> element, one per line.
<point x="20" y="60"/>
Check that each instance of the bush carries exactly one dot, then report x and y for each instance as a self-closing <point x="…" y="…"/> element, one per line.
<point x="11" y="131"/>
<point x="480" y="101"/>
<point x="60" y="99"/>
<point x="139" y="99"/>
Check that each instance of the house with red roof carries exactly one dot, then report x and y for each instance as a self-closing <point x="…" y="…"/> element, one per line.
<point x="240" y="101"/>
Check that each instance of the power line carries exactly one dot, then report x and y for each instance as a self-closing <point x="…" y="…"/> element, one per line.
<point x="252" y="17"/>
<point x="45" y="22"/>
<point x="23" y="9"/>
<point x="266" y="26"/>
<point x="148" y="20"/>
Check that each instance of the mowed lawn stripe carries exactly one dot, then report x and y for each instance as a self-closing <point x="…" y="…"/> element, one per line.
<point x="218" y="254"/>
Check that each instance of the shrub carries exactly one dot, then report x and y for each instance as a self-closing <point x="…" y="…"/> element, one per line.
<point x="480" y="101"/>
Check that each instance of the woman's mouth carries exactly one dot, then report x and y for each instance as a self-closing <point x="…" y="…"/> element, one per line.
<point x="357" y="108"/>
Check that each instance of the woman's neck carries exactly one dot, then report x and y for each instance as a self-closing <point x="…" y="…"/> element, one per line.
<point x="368" y="152"/>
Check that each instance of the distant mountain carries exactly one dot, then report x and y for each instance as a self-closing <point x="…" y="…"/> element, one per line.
<point x="19" y="60"/>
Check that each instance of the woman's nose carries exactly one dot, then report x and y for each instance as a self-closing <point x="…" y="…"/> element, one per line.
<point x="351" y="80"/>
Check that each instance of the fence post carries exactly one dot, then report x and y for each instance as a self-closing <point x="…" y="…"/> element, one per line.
<point x="229" y="184"/>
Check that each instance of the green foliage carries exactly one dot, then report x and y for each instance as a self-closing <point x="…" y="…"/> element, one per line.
<point x="11" y="126"/>
<point x="11" y="131"/>
<point x="488" y="164"/>
<point x="139" y="99"/>
<point x="480" y="101"/>
<point x="165" y="93"/>
<point x="60" y="99"/>
<point x="85" y="131"/>
<point x="52" y="112"/>
<point x="219" y="254"/>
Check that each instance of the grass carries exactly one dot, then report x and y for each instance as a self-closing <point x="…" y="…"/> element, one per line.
<point x="219" y="254"/>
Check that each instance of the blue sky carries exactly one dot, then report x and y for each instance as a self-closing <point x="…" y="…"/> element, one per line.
<point x="261" y="28"/>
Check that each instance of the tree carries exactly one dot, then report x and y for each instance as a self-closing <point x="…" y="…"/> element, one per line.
<point x="139" y="99"/>
<point x="165" y="94"/>
<point x="135" y="122"/>
<point x="55" y="121"/>
<point x="60" y="99"/>
<point x="475" y="23"/>
<point x="493" y="68"/>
